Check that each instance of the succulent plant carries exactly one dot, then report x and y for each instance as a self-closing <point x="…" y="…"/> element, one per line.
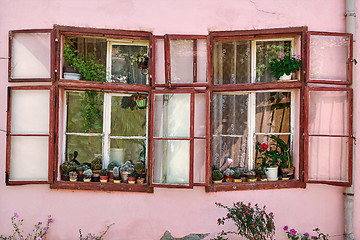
<point x="96" y="164"/>
<point x="87" y="173"/>
<point x="116" y="173"/>
<point x="127" y="166"/>
<point x="72" y="174"/>
<point x="229" y="172"/>
<point x="139" y="167"/>
<point x="217" y="175"/>
<point x="237" y="174"/>
<point x="103" y="172"/>
<point x="133" y="174"/>
<point x="113" y="164"/>
<point x="82" y="167"/>
<point x="68" y="166"/>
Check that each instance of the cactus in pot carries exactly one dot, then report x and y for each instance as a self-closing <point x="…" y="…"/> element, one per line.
<point x="116" y="173"/>
<point x="87" y="175"/>
<point x="126" y="169"/>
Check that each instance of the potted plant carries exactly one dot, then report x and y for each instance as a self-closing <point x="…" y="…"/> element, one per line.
<point x="110" y="168"/>
<point x="116" y="173"/>
<point x="87" y="175"/>
<point x="96" y="167"/>
<point x="237" y="176"/>
<point x="282" y="66"/>
<point x="80" y="170"/>
<point x="104" y="175"/>
<point x="125" y="170"/>
<point x="65" y="168"/>
<point x="228" y="173"/>
<point x="73" y="176"/>
<point x="132" y="177"/>
<point x="141" y="100"/>
<point x="140" y="180"/>
<point x="217" y="176"/>
<point x="251" y="176"/>
<point x="141" y="60"/>
<point x="139" y="167"/>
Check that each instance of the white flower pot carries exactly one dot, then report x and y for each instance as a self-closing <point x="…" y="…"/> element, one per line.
<point x="272" y="173"/>
<point x="285" y="77"/>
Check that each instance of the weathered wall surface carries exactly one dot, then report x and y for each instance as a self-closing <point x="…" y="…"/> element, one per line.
<point x="147" y="216"/>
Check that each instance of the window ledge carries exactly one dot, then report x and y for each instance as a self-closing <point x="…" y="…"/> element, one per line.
<point x="255" y="186"/>
<point x="97" y="186"/>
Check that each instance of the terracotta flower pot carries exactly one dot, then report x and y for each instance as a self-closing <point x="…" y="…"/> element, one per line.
<point x="104" y="179"/>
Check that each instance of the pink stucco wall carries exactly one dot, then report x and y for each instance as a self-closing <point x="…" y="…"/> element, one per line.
<point x="147" y="216"/>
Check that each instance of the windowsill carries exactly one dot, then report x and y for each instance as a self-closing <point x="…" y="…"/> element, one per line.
<point x="97" y="186"/>
<point x="255" y="185"/>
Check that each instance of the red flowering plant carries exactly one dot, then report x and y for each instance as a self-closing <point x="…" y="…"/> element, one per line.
<point x="293" y="235"/>
<point x="275" y="154"/>
<point x="253" y="223"/>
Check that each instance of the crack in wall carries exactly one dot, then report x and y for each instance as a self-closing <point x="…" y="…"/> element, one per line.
<point x="260" y="10"/>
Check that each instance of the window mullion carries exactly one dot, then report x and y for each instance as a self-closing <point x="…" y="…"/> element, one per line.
<point x="251" y="136"/>
<point x="106" y="129"/>
<point x="253" y="61"/>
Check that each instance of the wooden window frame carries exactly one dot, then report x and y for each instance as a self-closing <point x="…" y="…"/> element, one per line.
<point x="52" y="56"/>
<point x="50" y="135"/>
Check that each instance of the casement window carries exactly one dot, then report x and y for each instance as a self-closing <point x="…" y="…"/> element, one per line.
<point x="206" y="99"/>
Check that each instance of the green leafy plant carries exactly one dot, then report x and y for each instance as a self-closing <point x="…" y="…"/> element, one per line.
<point x="139" y="167"/>
<point x="68" y="166"/>
<point x="82" y="167"/>
<point x="217" y="175"/>
<point x="253" y="223"/>
<point x="89" y="69"/>
<point x="113" y="164"/>
<point x="91" y="236"/>
<point x="91" y="110"/>
<point x="293" y="235"/>
<point x="284" y="64"/>
<point x="133" y="174"/>
<point x="140" y="59"/>
<point x="38" y="233"/>
<point x="103" y="172"/>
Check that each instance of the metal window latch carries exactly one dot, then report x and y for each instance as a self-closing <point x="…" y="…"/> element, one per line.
<point x="354" y="61"/>
<point x="354" y="138"/>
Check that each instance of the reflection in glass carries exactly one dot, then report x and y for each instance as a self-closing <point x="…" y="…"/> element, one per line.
<point x="272" y="112"/>
<point x="171" y="161"/>
<point x="86" y="146"/>
<point x="123" y="150"/>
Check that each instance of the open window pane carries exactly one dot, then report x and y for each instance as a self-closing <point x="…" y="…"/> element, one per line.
<point x="199" y="160"/>
<point x="30" y="111"/>
<point x="232" y="62"/>
<point x="172" y="115"/>
<point x="171" y="162"/>
<point x="273" y="112"/>
<point x="328" y="112"/>
<point x="329" y="58"/>
<point x="29" y="158"/>
<point x="31" y="55"/>
<point x="127" y="119"/>
<point x="84" y="112"/>
<point x="329" y="157"/>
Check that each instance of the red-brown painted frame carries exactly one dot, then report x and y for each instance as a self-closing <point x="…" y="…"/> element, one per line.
<point x="168" y="83"/>
<point x="349" y="135"/>
<point x="52" y="54"/>
<point x="50" y="135"/>
<point x="349" y="62"/>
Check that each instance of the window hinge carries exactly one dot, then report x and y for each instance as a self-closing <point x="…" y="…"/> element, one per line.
<point x="56" y="71"/>
<point x="6" y="177"/>
<point x="53" y="176"/>
<point x="54" y="137"/>
<point x="354" y="138"/>
<point x="56" y="44"/>
<point x="354" y="61"/>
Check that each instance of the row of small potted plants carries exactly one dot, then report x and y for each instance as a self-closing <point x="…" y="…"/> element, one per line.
<point x="116" y="172"/>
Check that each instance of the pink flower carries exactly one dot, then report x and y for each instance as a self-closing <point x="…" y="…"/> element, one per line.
<point x="16" y="215"/>
<point x="283" y="55"/>
<point x="38" y="238"/>
<point x="292" y="231"/>
<point x="45" y="229"/>
<point x="50" y="220"/>
<point x="307" y="235"/>
<point x="39" y="223"/>
<point x="286" y="228"/>
<point x="298" y="56"/>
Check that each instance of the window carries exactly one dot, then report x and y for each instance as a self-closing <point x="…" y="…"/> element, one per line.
<point x="180" y="105"/>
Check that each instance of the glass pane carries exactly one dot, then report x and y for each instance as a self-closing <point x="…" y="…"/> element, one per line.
<point x="282" y="156"/>
<point x="85" y="56"/>
<point x="86" y="146"/>
<point x="230" y="147"/>
<point x="329" y="57"/>
<point x="127" y="119"/>
<point x="199" y="160"/>
<point x="230" y="116"/>
<point x="29" y="158"/>
<point x="182" y="58"/>
<point x="171" y="162"/>
<point x="232" y="62"/>
<point x="31" y="55"/>
<point x="124" y="69"/>
<point x="172" y="115"/>
<point x="123" y="150"/>
<point x="328" y="112"/>
<point x="160" y="61"/>
<point x="85" y="112"/>
<point x="265" y="51"/>
<point x="272" y="112"/>
<point x="200" y="115"/>
<point x="328" y="158"/>
<point x="201" y="60"/>
<point x="30" y="111"/>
